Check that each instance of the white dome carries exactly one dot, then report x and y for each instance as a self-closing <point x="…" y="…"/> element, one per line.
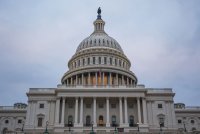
<point x="99" y="40"/>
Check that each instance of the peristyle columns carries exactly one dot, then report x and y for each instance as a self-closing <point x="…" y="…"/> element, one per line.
<point x="76" y="111"/>
<point x="139" y="113"/>
<point x="107" y="113"/>
<point x="94" y="112"/>
<point x="63" y="111"/>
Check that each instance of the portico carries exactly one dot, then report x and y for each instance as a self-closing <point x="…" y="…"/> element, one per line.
<point x="103" y="108"/>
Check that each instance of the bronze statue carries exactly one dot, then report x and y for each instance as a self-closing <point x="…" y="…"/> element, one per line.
<point x="99" y="11"/>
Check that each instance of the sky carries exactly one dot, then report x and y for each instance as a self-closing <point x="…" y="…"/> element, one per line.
<point x="160" y="38"/>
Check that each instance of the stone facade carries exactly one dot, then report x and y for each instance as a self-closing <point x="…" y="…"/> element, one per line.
<point x="12" y="118"/>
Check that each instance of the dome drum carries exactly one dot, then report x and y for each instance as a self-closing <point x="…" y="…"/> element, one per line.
<point x="100" y="78"/>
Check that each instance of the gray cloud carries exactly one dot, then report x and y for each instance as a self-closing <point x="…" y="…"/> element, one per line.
<point x="37" y="38"/>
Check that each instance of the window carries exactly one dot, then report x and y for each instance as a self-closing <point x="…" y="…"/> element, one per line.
<point x="159" y="105"/>
<point x="161" y="121"/>
<point x="179" y="121"/>
<point x="110" y="61"/>
<point x="100" y="105"/>
<point x="41" y="105"/>
<point x="88" y="105"/>
<point x="79" y="63"/>
<point x="115" y="62"/>
<point x="131" y="121"/>
<point x="120" y="63"/>
<point x="75" y="64"/>
<point x="88" y="61"/>
<point x="192" y="121"/>
<point x="70" y="121"/>
<point x="93" y="60"/>
<point x="99" y="60"/>
<point x="113" y="105"/>
<point x="19" y="121"/>
<point x="40" y="120"/>
<point x="130" y="105"/>
<point x="83" y="62"/>
<point x="6" y="121"/>
<point x="113" y="120"/>
<point x="70" y="105"/>
<point x="88" y="120"/>
<point x="105" y="60"/>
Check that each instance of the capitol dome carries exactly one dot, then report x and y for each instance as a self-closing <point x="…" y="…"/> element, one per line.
<point x="99" y="38"/>
<point x="99" y="61"/>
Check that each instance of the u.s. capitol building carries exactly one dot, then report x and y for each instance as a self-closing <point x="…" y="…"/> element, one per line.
<point x="100" y="90"/>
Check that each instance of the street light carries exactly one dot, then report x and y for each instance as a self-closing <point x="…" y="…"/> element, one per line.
<point x="138" y="127"/>
<point x="184" y="127"/>
<point x="70" y="124"/>
<point x="115" y="128"/>
<point x="92" y="131"/>
<point x="160" y="126"/>
<point x="22" y="126"/>
<point x="46" y="131"/>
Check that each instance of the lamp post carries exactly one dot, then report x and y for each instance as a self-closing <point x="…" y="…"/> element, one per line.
<point x="22" y="126"/>
<point x="92" y="131"/>
<point x="115" y="128"/>
<point x="46" y="131"/>
<point x="184" y="127"/>
<point x="70" y="124"/>
<point x="160" y="127"/>
<point x="138" y="127"/>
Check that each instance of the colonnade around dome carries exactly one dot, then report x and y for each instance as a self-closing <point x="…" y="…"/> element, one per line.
<point x="100" y="79"/>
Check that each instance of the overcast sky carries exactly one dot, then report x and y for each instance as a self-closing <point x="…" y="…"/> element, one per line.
<point x="160" y="37"/>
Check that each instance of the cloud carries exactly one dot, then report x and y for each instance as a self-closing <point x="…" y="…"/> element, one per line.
<point x="37" y="38"/>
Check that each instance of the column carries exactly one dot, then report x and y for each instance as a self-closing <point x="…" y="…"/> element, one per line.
<point x="57" y="111"/>
<point x="76" y="111"/>
<point x="110" y="79"/>
<point x="131" y="82"/>
<point x="123" y="80"/>
<point x="120" y="112"/>
<point x="125" y="110"/>
<point x="67" y="81"/>
<point x="89" y="82"/>
<point x="139" y="113"/>
<point x="96" y="78"/>
<point x="81" y="112"/>
<point x="144" y="110"/>
<point x="107" y="113"/>
<point x="71" y="81"/>
<point x="127" y="81"/>
<point x="63" y="112"/>
<point x="103" y="79"/>
<point x="82" y="79"/>
<point x="94" y="112"/>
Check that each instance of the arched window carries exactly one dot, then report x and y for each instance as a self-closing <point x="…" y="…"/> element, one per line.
<point x="131" y="121"/>
<point x="40" y="121"/>
<point x="100" y="120"/>
<point x="5" y="130"/>
<point x="40" y="118"/>
<point x="161" y="120"/>
<point x="113" y="120"/>
<point x="70" y="120"/>
<point x="88" y="120"/>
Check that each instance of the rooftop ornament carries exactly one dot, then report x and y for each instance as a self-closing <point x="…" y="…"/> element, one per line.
<point x="99" y="13"/>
